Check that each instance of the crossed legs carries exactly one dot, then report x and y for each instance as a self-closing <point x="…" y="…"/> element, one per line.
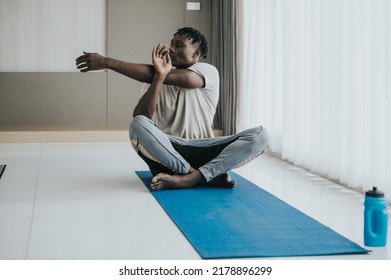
<point x="182" y="163"/>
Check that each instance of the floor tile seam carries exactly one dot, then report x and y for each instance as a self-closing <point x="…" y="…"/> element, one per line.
<point x="92" y="156"/>
<point x="16" y="216"/>
<point x="86" y="191"/>
<point x="72" y="188"/>
<point x="3" y="188"/>
<point x="133" y="213"/>
<point x="33" y="207"/>
<point x="89" y="154"/>
<point x="20" y="157"/>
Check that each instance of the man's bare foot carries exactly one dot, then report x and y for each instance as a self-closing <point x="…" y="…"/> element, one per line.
<point x="222" y="181"/>
<point x="165" y="181"/>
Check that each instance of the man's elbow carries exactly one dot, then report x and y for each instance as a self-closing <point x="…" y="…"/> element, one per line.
<point x="143" y="113"/>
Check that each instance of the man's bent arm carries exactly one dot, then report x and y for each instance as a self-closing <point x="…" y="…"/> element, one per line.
<point x="162" y="66"/>
<point x="147" y="104"/>
<point x="145" y="73"/>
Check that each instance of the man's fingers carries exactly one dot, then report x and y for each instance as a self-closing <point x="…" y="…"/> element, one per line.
<point x="84" y="55"/>
<point x="82" y="65"/>
<point x="160" y="50"/>
<point x="163" y="50"/>
<point x="81" y="60"/>
<point x="87" y="62"/>
<point x="85" y="69"/>
<point x="153" y="54"/>
<point x="168" y="57"/>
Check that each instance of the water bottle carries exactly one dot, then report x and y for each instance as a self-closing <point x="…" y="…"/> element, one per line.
<point x="375" y="218"/>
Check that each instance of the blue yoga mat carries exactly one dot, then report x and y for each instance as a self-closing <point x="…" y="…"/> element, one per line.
<point x="247" y="221"/>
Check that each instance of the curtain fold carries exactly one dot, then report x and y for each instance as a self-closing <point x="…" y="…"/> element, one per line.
<point x="226" y="56"/>
<point x="318" y="76"/>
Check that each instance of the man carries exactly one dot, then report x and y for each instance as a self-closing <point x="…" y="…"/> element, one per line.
<point x="191" y="90"/>
<point x="171" y="128"/>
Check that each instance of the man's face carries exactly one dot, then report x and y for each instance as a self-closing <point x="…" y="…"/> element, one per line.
<point x="183" y="54"/>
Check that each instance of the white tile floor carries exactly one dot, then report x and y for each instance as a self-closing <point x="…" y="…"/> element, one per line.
<point x="84" y="201"/>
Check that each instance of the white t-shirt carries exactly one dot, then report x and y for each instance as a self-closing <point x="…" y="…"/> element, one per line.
<point x="189" y="113"/>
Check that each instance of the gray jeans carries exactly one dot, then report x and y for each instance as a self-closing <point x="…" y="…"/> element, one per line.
<point x="211" y="156"/>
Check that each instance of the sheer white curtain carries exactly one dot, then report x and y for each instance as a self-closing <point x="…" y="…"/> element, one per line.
<point x="317" y="74"/>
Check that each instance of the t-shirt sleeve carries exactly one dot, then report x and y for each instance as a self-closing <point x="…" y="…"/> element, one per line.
<point x="211" y="77"/>
<point x="208" y="72"/>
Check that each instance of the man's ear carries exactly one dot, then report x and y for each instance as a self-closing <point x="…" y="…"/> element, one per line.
<point x="196" y="52"/>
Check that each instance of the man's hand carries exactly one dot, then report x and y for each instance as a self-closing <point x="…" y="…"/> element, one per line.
<point x="162" y="65"/>
<point x="161" y="60"/>
<point x="90" y="62"/>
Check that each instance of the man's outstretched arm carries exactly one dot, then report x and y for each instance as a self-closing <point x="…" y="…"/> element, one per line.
<point x="93" y="61"/>
<point x="139" y="72"/>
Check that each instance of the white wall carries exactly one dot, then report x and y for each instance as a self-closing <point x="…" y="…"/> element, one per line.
<point x="47" y="35"/>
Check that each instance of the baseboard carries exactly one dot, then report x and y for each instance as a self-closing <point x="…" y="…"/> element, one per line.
<point x="67" y="134"/>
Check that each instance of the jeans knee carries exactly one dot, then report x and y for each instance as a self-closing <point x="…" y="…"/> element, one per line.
<point x="260" y="137"/>
<point x="139" y="124"/>
<point x="264" y="138"/>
